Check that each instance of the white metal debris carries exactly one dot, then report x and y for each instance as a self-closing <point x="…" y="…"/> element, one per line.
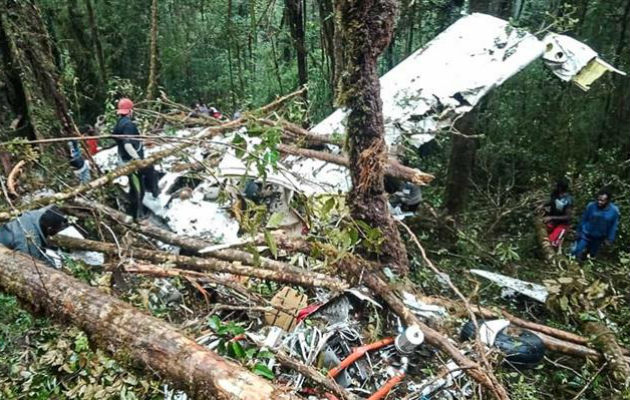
<point x="569" y="59"/>
<point x="532" y="290"/>
<point x="489" y="330"/>
<point x="92" y="258"/>
<point x="447" y="77"/>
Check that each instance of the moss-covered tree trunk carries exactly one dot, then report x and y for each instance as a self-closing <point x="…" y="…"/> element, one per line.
<point x="153" y="58"/>
<point x="365" y="29"/>
<point x="28" y="49"/>
<point x="96" y="40"/>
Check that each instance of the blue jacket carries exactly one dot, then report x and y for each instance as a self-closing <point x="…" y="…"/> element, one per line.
<point x="600" y="224"/>
<point x="24" y="234"/>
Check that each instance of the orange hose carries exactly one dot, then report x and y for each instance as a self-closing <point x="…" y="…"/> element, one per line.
<point x="387" y="387"/>
<point x="357" y="353"/>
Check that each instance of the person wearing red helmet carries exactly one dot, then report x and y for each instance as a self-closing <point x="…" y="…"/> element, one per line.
<point x="130" y="149"/>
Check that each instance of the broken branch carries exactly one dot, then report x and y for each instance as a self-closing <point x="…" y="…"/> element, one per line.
<point x="304" y="278"/>
<point x="392" y="168"/>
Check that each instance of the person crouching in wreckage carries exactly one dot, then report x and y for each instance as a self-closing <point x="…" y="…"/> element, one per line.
<point x="130" y="149"/>
<point x="29" y="232"/>
<point x="558" y="213"/>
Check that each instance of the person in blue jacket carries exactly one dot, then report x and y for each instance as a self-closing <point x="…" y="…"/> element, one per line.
<point x="598" y="225"/>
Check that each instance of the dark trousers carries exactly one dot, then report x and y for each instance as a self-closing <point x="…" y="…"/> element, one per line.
<point x="586" y="245"/>
<point x="150" y="180"/>
<point x="136" y="193"/>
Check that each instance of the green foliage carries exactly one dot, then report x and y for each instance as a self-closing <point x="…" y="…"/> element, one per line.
<point x="228" y="346"/>
<point x="40" y="360"/>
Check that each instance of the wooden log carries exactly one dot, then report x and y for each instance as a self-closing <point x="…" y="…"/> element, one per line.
<point x="129" y="333"/>
<point x="304" y="278"/>
<point x="604" y="339"/>
<point x="298" y="132"/>
<point x="13" y="177"/>
<point x="393" y="168"/>
<point x="188" y="243"/>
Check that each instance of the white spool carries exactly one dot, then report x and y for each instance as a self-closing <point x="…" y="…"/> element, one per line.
<point x="411" y="338"/>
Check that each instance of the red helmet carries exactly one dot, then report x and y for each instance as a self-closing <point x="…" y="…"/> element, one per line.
<point x="125" y="106"/>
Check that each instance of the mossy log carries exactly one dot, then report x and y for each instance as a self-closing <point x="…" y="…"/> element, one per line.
<point x="302" y="277"/>
<point x="604" y="340"/>
<point x="129" y="333"/>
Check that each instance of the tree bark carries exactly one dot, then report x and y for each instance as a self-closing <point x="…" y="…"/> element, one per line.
<point x="96" y="39"/>
<point x="365" y="28"/>
<point x="604" y="340"/>
<point x="295" y="15"/>
<point x="549" y="253"/>
<point x="153" y="57"/>
<point x="129" y="333"/>
<point x="304" y="278"/>
<point x="460" y="165"/>
<point x="30" y="52"/>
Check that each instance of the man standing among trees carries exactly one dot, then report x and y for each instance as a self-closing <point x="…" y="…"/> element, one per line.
<point x="130" y="149"/>
<point x="598" y="224"/>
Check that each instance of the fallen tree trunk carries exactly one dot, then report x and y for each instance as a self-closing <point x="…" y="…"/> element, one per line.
<point x="188" y="243"/>
<point x="304" y="278"/>
<point x="130" y="333"/>
<point x="392" y="168"/>
<point x="136" y="165"/>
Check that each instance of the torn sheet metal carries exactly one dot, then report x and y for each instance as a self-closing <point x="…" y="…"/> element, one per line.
<point x="593" y="71"/>
<point x="194" y="216"/>
<point x="421" y="309"/>
<point x="571" y="60"/>
<point x="489" y="330"/>
<point x="531" y="290"/>
<point x="447" y="77"/>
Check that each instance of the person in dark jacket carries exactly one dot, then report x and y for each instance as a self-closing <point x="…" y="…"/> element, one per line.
<point x="558" y="213"/>
<point x="130" y="149"/>
<point x="28" y="232"/>
<point x="598" y="225"/>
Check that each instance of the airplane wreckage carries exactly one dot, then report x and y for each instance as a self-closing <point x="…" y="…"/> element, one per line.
<point x="322" y="327"/>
